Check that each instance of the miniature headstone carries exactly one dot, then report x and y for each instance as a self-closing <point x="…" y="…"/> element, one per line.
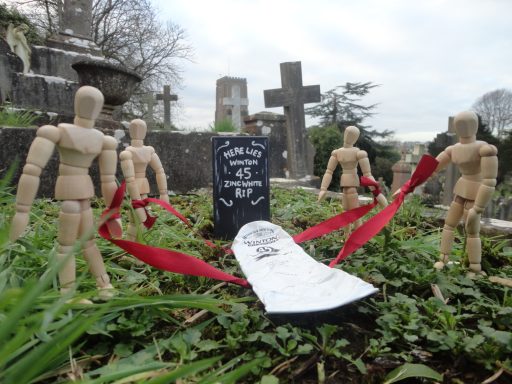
<point x="292" y="96"/>
<point x="167" y="97"/>
<point x="241" y="187"/>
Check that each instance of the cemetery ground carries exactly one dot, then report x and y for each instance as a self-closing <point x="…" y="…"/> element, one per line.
<point x="164" y="327"/>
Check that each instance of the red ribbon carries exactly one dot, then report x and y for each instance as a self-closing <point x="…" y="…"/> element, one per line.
<point x="372" y="226"/>
<point x="161" y="258"/>
<point x="343" y="219"/>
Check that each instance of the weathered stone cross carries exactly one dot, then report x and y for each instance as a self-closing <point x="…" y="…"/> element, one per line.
<point x="236" y="102"/>
<point x="292" y="96"/>
<point x="167" y="98"/>
<point x="149" y="100"/>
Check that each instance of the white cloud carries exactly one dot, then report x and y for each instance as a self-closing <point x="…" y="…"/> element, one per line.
<point x="432" y="58"/>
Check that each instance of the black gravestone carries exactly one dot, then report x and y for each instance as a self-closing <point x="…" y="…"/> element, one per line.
<point x="241" y="187"/>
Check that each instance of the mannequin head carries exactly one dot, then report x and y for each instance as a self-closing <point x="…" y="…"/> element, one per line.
<point x="350" y="136"/>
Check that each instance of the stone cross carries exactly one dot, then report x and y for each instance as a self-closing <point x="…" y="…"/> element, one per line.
<point x="167" y="97"/>
<point x="149" y="100"/>
<point x="292" y="96"/>
<point x="236" y="102"/>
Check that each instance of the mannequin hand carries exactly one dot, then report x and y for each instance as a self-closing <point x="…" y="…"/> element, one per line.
<point x="382" y="200"/>
<point x="164" y="198"/>
<point x="321" y="195"/>
<point x="18" y="225"/>
<point x="115" y="228"/>
<point x="141" y="214"/>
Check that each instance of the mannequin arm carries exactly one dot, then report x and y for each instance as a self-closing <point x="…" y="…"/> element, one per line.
<point x="161" y="178"/>
<point x="108" y="164"/>
<point x="489" y="167"/>
<point x="38" y="156"/>
<point x="444" y="158"/>
<point x="364" y="163"/>
<point x="326" y="180"/>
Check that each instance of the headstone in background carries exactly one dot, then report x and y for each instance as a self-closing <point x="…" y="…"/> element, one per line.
<point x="75" y="22"/>
<point x="241" y="187"/>
<point x="149" y="100"/>
<point x="272" y="125"/>
<point x="292" y="96"/>
<point x="167" y="97"/>
<point x="401" y="173"/>
<point x="225" y="88"/>
<point x="451" y="172"/>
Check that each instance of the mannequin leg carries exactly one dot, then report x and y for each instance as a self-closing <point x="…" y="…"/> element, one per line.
<point x="92" y="254"/>
<point x="450" y="223"/>
<point x="69" y="222"/>
<point x="132" y="228"/>
<point x="473" y="243"/>
<point x="350" y="200"/>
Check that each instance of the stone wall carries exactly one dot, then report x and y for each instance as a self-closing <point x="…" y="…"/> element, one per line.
<point x="186" y="158"/>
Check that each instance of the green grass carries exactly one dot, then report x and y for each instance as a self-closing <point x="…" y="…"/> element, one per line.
<point x="10" y="117"/>
<point x="163" y="327"/>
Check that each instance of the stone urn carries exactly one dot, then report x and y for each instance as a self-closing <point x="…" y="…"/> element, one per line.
<point x="114" y="81"/>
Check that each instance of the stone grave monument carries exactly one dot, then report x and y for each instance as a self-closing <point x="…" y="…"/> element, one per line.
<point x="292" y="96"/>
<point x="272" y="125"/>
<point x="54" y="74"/>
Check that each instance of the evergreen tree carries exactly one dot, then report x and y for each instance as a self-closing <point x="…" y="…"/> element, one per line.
<point x="341" y="107"/>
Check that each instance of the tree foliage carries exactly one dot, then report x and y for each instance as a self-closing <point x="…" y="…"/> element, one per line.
<point x="341" y="107"/>
<point x="495" y="107"/>
<point x="325" y="140"/>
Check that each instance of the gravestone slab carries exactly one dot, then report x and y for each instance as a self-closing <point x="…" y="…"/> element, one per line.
<point x="241" y="186"/>
<point x="292" y="96"/>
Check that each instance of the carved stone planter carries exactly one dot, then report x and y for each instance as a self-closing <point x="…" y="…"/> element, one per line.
<point x="115" y="82"/>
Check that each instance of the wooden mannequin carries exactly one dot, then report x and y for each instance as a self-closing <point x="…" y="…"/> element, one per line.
<point x="348" y="157"/>
<point x="478" y="165"/>
<point x="78" y="145"/>
<point x="134" y="161"/>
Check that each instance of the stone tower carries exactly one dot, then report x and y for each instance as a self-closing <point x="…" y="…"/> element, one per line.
<point x="231" y="100"/>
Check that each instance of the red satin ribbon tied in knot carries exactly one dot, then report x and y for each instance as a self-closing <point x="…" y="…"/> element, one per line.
<point x="150" y="220"/>
<point x="367" y="182"/>
<point x="165" y="259"/>
<point x="426" y="166"/>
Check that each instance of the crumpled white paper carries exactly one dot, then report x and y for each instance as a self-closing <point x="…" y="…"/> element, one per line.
<point x="285" y="278"/>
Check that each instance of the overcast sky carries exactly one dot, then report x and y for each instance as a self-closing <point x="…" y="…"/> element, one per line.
<point x="431" y="58"/>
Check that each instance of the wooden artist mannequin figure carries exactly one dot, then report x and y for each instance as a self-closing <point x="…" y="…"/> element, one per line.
<point x="348" y="157"/>
<point x="134" y="161"/>
<point x="478" y="164"/>
<point x="78" y="145"/>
